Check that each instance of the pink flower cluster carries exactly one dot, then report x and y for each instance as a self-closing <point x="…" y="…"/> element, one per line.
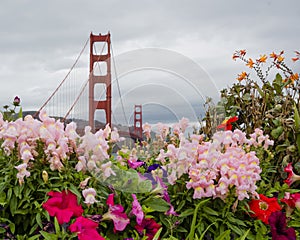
<point x="58" y="143"/>
<point x="216" y="167"/>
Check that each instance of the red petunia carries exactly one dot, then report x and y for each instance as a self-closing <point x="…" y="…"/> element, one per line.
<point x="63" y="206"/>
<point x="150" y="226"/>
<point x="86" y="229"/>
<point x="262" y="208"/>
<point x="226" y="124"/>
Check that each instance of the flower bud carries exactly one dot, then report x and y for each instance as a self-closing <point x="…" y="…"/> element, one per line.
<point x="16" y="101"/>
<point x="45" y="176"/>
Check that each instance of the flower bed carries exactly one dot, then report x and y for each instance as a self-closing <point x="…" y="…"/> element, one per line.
<point x="234" y="180"/>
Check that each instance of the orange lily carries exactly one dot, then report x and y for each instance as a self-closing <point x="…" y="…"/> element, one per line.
<point x="250" y="63"/>
<point x="294" y="77"/>
<point x="243" y="52"/>
<point x="242" y="76"/>
<point x="297" y="56"/>
<point x="273" y="55"/>
<point x="262" y="58"/>
<point x="280" y="58"/>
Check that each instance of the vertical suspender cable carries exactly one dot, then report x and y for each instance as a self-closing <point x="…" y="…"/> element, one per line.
<point x="118" y="86"/>
<point x="55" y="91"/>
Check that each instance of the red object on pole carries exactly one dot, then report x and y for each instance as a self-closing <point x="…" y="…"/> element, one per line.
<point x="96" y="79"/>
<point x="138" y="130"/>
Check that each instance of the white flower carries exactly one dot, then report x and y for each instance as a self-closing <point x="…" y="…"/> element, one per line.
<point x="89" y="196"/>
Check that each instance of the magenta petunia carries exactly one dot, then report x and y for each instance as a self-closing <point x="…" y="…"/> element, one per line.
<point x="86" y="229"/>
<point x="116" y="213"/>
<point x="150" y="226"/>
<point x="292" y="177"/>
<point x="63" y="205"/>
<point x="137" y="209"/>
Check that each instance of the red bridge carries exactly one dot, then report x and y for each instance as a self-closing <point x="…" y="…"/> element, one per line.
<point x="68" y="101"/>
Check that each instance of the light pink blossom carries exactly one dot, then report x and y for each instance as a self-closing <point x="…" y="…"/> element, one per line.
<point x="89" y="196"/>
<point x="22" y="172"/>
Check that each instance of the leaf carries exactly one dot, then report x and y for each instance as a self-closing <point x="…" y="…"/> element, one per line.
<point x="192" y="230"/>
<point x="203" y="234"/>
<point x="224" y="235"/>
<point x="157" y="204"/>
<point x="186" y="213"/>
<point x="210" y="211"/>
<point x="275" y="133"/>
<point x="12" y="227"/>
<point x="34" y="237"/>
<point x="56" y="226"/>
<point x="156" y="236"/>
<point x="13" y="205"/>
<point x="49" y="236"/>
<point x="39" y="220"/>
<point x="297" y="125"/>
<point x="21" y="211"/>
<point x="245" y="235"/>
<point x="20" y="114"/>
<point x="235" y="229"/>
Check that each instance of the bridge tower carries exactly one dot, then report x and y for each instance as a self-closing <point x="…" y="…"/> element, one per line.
<point x="137" y="128"/>
<point x="99" y="79"/>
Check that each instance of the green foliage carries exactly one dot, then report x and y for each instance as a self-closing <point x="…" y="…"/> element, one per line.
<point x="272" y="106"/>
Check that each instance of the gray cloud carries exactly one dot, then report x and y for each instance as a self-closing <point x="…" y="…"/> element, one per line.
<point x="40" y="41"/>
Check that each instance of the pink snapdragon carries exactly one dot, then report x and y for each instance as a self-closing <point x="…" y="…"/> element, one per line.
<point x="22" y="172"/>
<point x="107" y="170"/>
<point x="89" y="196"/>
<point x="223" y="164"/>
<point x="163" y="130"/>
<point x="147" y="130"/>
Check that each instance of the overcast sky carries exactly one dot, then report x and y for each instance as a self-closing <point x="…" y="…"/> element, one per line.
<point x="40" y="40"/>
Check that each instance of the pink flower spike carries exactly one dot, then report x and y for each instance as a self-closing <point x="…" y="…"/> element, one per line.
<point x="86" y="229"/>
<point x="292" y="177"/>
<point x="137" y="210"/>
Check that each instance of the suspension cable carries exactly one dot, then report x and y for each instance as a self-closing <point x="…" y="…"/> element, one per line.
<point x="55" y="91"/>
<point x="84" y="86"/>
<point x="118" y="85"/>
<point x="76" y="100"/>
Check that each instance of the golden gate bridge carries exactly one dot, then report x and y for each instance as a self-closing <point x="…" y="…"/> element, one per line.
<point x="84" y="104"/>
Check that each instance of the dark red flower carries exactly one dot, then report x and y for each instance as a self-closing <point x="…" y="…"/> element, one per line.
<point x="150" y="226"/>
<point x="226" y="124"/>
<point x="279" y="230"/>
<point x="86" y="229"/>
<point x="262" y="208"/>
<point x="63" y="206"/>
<point x="16" y="101"/>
